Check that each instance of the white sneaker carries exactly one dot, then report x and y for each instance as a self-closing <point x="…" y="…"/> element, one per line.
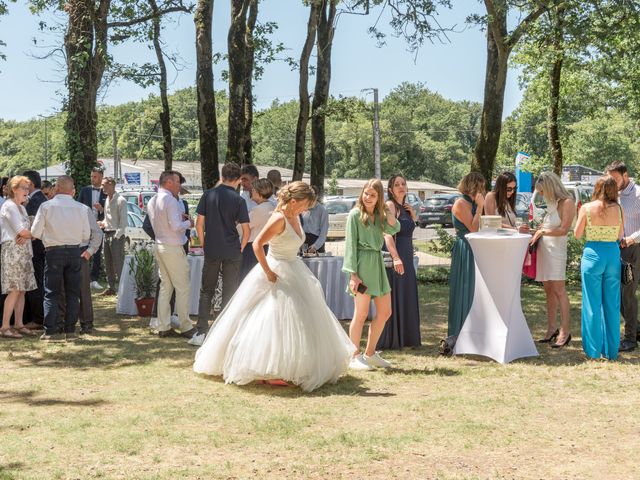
<point x="376" y="360"/>
<point x="95" y="285"/>
<point x="197" y="339"/>
<point x="359" y="363"/>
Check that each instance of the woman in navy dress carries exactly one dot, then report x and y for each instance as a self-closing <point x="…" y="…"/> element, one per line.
<point x="403" y="327"/>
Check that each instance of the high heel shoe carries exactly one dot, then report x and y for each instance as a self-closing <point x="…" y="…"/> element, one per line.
<point x="564" y="344"/>
<point x="553" y="336"/>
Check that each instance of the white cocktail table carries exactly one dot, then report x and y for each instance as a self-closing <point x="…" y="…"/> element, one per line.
<point x="495" y="326"/>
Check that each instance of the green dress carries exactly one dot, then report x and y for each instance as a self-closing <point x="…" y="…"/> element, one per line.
<point x="362" y="253"/>
<point x="461" y="276"/>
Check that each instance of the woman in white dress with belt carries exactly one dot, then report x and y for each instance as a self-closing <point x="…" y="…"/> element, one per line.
<point x="551" y="266"/>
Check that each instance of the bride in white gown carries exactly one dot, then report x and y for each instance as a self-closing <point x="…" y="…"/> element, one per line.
<point x="277" y="325"/>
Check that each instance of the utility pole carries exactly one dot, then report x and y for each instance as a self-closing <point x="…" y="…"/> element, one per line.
<point x="376" y="134"/>
<point x="46" y="147"/>
<point x="114" y="138"/>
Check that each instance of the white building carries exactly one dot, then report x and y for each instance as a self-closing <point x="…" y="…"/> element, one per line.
<point x="148" y="172"/>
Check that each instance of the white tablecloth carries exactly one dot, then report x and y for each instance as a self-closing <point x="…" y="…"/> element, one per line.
<point x="127" y="292"/>
<point x="328" y="270"/>
<point x="495" y="326"/>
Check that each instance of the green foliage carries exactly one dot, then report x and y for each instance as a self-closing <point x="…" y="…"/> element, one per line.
<point x="444" y="242"/>
<point x="574" y="257"/>
<point x="333" y="184"/>
<point x="143" y="267"/>
<point x="433" y="274"/>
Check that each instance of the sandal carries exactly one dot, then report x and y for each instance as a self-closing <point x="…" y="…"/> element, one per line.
<point x="9" y="333"/>
<point x="25" y="331"/>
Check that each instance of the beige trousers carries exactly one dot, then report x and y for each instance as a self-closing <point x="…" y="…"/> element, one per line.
<point x="174" y="274"/>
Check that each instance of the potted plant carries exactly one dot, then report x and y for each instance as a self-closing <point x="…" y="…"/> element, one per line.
<point x="143" y="268"/>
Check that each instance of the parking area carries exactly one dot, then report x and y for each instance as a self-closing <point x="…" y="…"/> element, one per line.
<point x="419" y="234"/>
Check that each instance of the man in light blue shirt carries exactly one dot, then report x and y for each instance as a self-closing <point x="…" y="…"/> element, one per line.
<point x="315" y="223"/>
<point x="629" y="252"/>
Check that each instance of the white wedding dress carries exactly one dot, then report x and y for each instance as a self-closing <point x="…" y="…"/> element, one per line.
<point x="282" y="330"/>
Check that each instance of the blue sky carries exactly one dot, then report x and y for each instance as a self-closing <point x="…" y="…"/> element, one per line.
<point x="34" y="87"/>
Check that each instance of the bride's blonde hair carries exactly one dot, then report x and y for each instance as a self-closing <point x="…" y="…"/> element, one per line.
<point x="299" y="191"/>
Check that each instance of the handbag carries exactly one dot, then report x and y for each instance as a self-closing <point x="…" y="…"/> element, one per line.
<point x="387" y="259"/>
<point x="626" y="273"/>
<point x="530" y="261"/>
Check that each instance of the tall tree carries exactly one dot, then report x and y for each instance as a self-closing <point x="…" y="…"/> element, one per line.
<point x="500" y="43"/>
<point x="325" y="31"/>
<point x="3" y="11"/>
<point x="557" y="43"/>
<point x="248" y="81"/>
<point x="303" y="91"/>
<point x="239" y="75"/>
<point x="206" y="105"/>
<point x="86" y="42"/>
<point x="165" y="114"/>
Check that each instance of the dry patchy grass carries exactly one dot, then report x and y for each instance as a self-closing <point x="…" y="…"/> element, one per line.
<point x="124" y="404"/>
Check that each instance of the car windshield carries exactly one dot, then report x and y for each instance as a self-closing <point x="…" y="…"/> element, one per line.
<point x="435" y="202"/>
<point x="334" y="207"/>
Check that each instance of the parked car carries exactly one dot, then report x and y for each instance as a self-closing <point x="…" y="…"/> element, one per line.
<point x="134" y="208"/>
<point x="338" y="210"/>
<point x="138" y="196"/>
<point x="437" y="210"/>
<point x="582" y="193"/>
<point x="134" y="233"/>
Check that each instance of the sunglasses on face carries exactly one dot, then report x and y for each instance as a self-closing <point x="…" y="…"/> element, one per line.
<point x="511" y="189"/>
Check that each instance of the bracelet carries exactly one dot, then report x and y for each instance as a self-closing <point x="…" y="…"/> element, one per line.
<point x="397" y="259"/>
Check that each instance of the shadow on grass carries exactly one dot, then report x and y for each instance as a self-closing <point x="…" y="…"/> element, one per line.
<point x="7" y="470"/>
<point x="346" y="385"/>
<point x="437" y="371"/>
<point x="28" y="397"/>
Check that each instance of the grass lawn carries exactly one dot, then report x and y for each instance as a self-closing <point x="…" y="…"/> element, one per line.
<point x="125" y="404"/>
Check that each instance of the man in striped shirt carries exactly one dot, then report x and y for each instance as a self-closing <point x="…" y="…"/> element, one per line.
<point x="629" y="251"/>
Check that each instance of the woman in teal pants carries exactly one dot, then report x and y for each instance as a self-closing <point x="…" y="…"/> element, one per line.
<point x="601" y="220"/>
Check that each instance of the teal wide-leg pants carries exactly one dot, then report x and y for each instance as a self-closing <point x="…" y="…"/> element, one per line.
<point x="600" y="269"/>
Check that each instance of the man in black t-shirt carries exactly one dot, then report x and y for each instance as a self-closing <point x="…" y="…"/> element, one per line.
<point x="220" y="210"/>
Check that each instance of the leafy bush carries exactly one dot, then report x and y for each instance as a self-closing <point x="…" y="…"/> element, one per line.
<point x="444" y="243"/>
<point x="143" y="266"/>
<point x="434" y="274"/>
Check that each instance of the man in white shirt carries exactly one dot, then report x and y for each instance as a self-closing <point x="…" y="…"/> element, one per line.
<point x="169" y="226"/>
<point x="61" y="224"/>
<point x="114" y="226"/>
<point x="248" y="174"/>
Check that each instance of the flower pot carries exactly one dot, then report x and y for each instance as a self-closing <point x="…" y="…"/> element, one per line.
<point x="145" y="306"/>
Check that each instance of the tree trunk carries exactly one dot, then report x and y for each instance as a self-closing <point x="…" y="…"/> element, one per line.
<point x="85" y="43"/>
<point x="165" y="115"/>
<point x="491" y="121"/>
<point x="303" y="92"/>
<point x="237" y="52"/>
<point x="321" y="93"/>
<point x="554" y="96"/>
<point x="206" y="102"/>
<point x="248" y="82"/>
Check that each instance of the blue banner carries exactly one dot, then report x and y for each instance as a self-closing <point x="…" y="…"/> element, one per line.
<point x="132" y="178"/>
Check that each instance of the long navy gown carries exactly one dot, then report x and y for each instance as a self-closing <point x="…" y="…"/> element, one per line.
<point x="403" y="327"/>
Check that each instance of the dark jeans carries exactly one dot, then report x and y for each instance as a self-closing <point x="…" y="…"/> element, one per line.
<point x="629" y="302"/>
<point x="62" y="271"/>
<point x="230" y="282"/>
<point x="34" y="311"/>
<point x="86" y="304"/>
<point x="95" y="265"/>
<point x="310" y="239"/>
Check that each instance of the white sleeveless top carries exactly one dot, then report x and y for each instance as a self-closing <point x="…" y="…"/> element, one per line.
<point x="552" y="251"/>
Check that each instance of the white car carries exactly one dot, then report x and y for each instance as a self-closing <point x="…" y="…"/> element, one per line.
<point x="581" y="192"/>
<point x="134" y="233"/>
<point x="338" y="210"/>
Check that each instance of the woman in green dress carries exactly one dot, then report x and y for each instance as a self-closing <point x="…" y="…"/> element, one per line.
<point x="465" y="216"/>
<point x="366" y="225"/>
